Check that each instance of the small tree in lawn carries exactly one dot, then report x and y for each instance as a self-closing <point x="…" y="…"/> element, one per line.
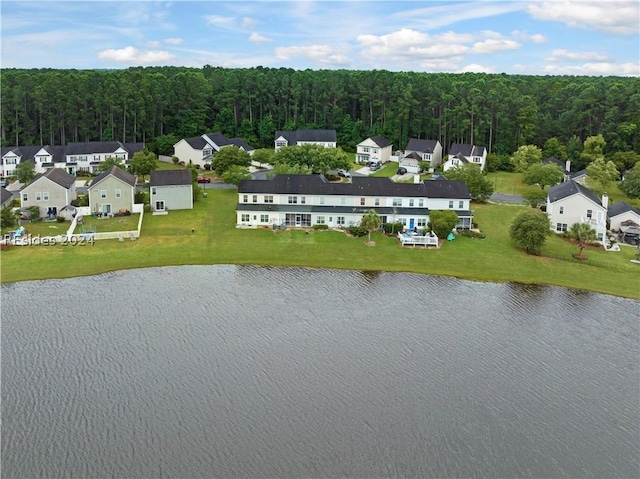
<point x="442" y="222"/>
<point x="142" y="163"/>
<point x="235" y="173"/>
<point x="600" y="173"/>
<point x="543" y="175"/>
<point x="370" y="222"/>
<point x="7" y="217"/>
<point x="530" y="230"/>
<point x="525" y="156"/>
<point x="583" y="234"/>
<point x="535" y="198"/>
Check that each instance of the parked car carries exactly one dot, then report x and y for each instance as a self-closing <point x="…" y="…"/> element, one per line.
<point x="401" y="171"/>
<point x="344" y="173"/>
<point x="4" y="182"/>
<point x="376" y="165"/>
<point x="204" y="179"/>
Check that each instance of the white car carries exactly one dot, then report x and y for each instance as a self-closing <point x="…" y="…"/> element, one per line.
<point x="344" y="173"/>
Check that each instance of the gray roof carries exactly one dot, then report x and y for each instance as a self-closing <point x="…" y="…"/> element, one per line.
<point x="200" y="142"/>
<point x="28" y="153"/>
<point x="620" y="208"/>
<point x="569" y="188"/>
<point x="196" y="142"/>
<point x="118" y="173"/>
<point x="381" y="142"/>
<point x="59" y="176"/>
<point x="578" y="174"/>
<point x="553" y="160"/>
<point x="89" y="147"/>
<point x="240" y="143"/>
<point x="170" y="177"/>
<point x="5" y="195"/>
<point x="359" y="186"/>
<point x="293" y="137"/>
<point x="424" y="146"/>
<point x="466" y="150"/>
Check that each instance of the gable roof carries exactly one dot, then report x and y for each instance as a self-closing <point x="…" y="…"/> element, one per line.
<point x="5" y="195"/>
<point x="89" y="147"/>
<point x="569" y="188"/>
<point x="240" y="143"/>
<point x="359" y="186"/>
<point x="425" y="146"/>
<point x="555" y="161"/>
<point x="293" y="137"/>
<point x="381" y="142"/>
<point x="466" y="150"/>
<point x="170" y="177"/>
<point x="196" y="142"/>
<point x="57" y="175"/>
<point x="578" y="174"/>
<point x="621" y="207"/>
<point x="128" y="178"/>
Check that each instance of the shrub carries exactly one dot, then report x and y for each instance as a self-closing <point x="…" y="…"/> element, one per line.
<point x="175" y="160"/>
<point x="207" y="167"/>
<point x="60" y="219"/>
<point x="356" y="231"/>
<point x="34" y="213"/>
<point x="392" y="228"/>
<point x="332" y="177"/>
<point x="320" y="227"/>
<point x="472" y="234"/>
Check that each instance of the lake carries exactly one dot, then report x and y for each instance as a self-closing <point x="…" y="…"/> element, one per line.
<point x="242" y="371"/>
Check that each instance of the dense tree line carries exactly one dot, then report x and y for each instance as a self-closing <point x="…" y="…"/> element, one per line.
<point x="159" y="104"/>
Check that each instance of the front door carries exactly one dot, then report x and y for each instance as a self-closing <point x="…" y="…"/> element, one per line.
<point x="411" y="223"/>
<point x="160" y="205"/>
<point x="106" y="209"/>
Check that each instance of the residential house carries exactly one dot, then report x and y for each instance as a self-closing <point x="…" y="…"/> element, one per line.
<point x="51" y="191"/>
<point x="622" y="212"/>
<point x="112" y="191"/>
<point x="199" y="150"/>
<point x="428" y="150"/>
<point x="5" y="197"/>
<point x="307" y="200"/>
<point x="578" y="176"/>
<point x="374" y="148"/>
<point x="326" y="138"/>
<point x="411" y="162"/>
<point x="462" y="153"/>
<point x="570" y="202"/>
<point x="171" y="190"/>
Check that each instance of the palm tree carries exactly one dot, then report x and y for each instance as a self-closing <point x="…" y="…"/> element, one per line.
<point x="583" y="234"/>
<point x="370" y="222"/>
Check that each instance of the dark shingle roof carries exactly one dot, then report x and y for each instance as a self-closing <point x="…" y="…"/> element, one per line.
<point x="381" y="142"/>
<point x="293" y="137"/>
<point x="118" y="173"/>
<point x="569" y="188"/>
<point x="578" y="174"/>
<point x="5" y="195"/>
<point x="466" y="150"/>
<point x="218" y="138"/>
<point x="424" y="146"/>
<point x="197" y="142"/>
<point x="553" y="160"/>
<point x="89" y="147"/>
<point x="170" y="177"/>
<point x="240" y="143"/>
<point x="620" y="208"/>
<point x="360" y="185"/>
<point x="57" y="175"/>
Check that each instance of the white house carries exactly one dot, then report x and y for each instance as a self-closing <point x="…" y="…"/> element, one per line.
<point x="570" y="202"/>
<point x="622" y="212"/>
<point x="326" y="138"/>
<point x="307" y="200"/>
<point x="171" y="190"/>
<point x="460" y="153"/>
<point x="199" y="150"/>
<point x="411" y="162"/>
<point x="427" y="150"/>
<point x="374" y="148"/>
<point x="51" y="191"/>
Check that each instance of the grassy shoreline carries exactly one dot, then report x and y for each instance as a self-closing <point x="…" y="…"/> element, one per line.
<point x="169" y="240"/>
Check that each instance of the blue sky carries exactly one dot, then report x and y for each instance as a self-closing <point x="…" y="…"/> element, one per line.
<point x="551" y="37"/>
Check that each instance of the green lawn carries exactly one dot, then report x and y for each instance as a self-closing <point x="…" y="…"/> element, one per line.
<point x="169" y="240"/>
<point x="387" y="171"/>
<point x="510" y="183"/>
<point x="42" y="228"/>
<point x="107" y="225"/>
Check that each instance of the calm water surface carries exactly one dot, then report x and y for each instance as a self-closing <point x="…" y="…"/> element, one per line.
<point x="230" y="371"/>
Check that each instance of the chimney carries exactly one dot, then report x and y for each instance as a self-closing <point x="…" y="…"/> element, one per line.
<point x="416" y="179"/>
<point x="605" y="200"/>
<point x="567" y="166"/>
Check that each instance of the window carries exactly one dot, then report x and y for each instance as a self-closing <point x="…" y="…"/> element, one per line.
<point x="118" y="193"/>
<point x="477" y="159"/>
<point x="38" y="196"/>
<point x="45" y="196"/>
<point x="280" y="144"/>
<point x="25" y="197"/>
<point x="292" y="200"/>
<point x="206" y="152"/>
<point x="410" y="201"/>
<point x="245" y="217"/>
<point x="403" y="221"/>
<point x="397" y="202"/>
<point x="426" y="156"/>
<point x="103" y="193"/>
<point x="365" y="149"/>
<point x="561" y="210"/>
<point x="421" y="222"/>
<point x="320" y="220"/>
<point x="302" y="200"/>
<point x="421" y="202"/>
<point x="340" y="220"/>
<point x="362" y="202"/>
<point x="322" y="200"/>
<point x="153" y="190"/>
<point x="264" y="218"/>
<point x="460" y="204"/>
<point x="245" y="198"/>
<point x="374" y="151"/>
<point x="600" y="236"/>
<point x="589" y="213"/>
<point x="255" y="198"/>
<point x="561" y="227"/>
<point x="96" y="157"/>
<point x="268" y="199"/>
<point x="451" y="204"/>
<point x="377" y="202"/>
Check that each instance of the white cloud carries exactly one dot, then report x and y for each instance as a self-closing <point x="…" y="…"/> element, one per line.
<point x="595" y="69"/>
<point x="133" y="56"/>
<point x="257" y="38"/>
<point x="219" y="21"/>
<point x="536" y="38"/>
<point x="475" y="68"/>
<point x="493" y="45"/>
<point x="248" y="22"/>
<point x="152" y="44"/>
<point x="174" y="41"/>
<point x="408" y="43"/>
<point x="561" y="54"/>
<point x="318" y="53"/>
<point x="619" y="17"/>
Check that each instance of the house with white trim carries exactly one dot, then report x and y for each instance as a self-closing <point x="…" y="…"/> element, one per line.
<point x="427" y="150"/>
<point x="326" y="138"/>
<point x="622" y="212"/>
<point x="112" y="191"/>
<point x="570" y="202"/>
<point x="86" y="156"/>
<point x="374" y="148"/>
<point x="199" y="150"/>
<point x="5" y="197"/>
<point x="301" y="201"/>
<point x="51" y="191"/>
<point x="171" y="190"/>
<point x="461" y="153"/>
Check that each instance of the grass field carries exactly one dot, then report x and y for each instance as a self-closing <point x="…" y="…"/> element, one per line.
<point x="169" y="240"/>
<point x="42" y="228"/>
<point x="107" y="225"/>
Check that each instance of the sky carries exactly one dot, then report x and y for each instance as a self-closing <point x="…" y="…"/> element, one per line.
<point x="550" y="37"/>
